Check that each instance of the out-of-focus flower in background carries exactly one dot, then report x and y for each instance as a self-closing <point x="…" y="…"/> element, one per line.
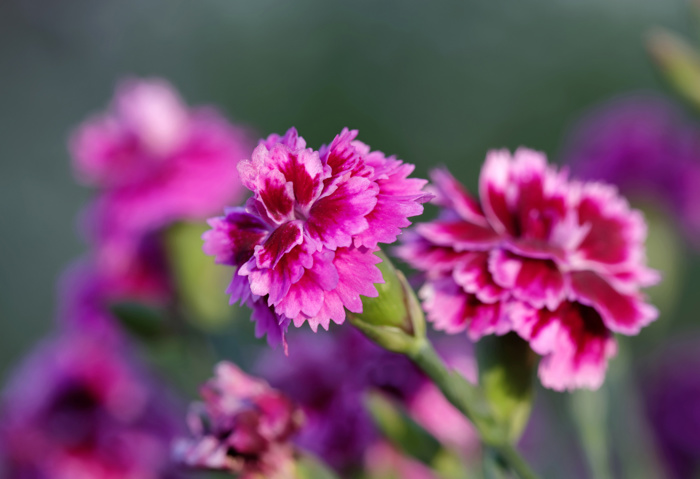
<point x="382" y="460"/>
<point x="77" y="408"/>
<point x="243" y="426"/>
<point x="330" y="377"/>
<point x="557" y="261"/>
<point x="303" y="246"/>
<point x="672" y="399"/>
<point x="646" y="146"/>
<point x="154" y="162"/>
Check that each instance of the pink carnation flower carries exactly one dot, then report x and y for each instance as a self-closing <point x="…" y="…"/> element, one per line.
<point x="303" y="246"/>
<point x="243" y="426"/>
<point x="559" y="262"/>
<point x="155" y="162"/>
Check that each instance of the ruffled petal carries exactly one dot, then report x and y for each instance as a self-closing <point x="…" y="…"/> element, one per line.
<point x="460" y="235"/>
<point x="306" y="296"/>
<point x="449" y="193"/>
<point x="473" y="275"/>
<point x="279" y="243"/>
<point x="574" y="343"/>
<point x="424" y="255"/>
<point x="291" y="139"/>
<point x="398" y="199"/>
<point x="622" y="313"/>
<point x="537" y="282"/>
<point x="340" y="213"/>
<point x="494" y="186"/>
<point x="616" y="233"/>
<point x="453" y="310"/>
<point x="268" y="322"/>
<point x="233" y="237"/>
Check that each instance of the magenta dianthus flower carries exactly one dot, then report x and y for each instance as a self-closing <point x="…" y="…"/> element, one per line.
<point x="303" y="246"/>
<point x="154" y="162"/>
<point x="243" y="426"/>
<point x="560" y="262"/>
<point x="78" y="409"/>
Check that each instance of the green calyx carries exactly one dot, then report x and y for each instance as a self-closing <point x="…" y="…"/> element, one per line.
<point x="394" y="319"/>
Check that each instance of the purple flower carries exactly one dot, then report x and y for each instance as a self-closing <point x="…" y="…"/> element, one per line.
<point x="77" y="409"/>
<point x="243" y="426"/>
<point x="557" y="261"/>
<point x="84" y="301"/>
<point x="154" y="162"/>
<point x="303" y="245"/>
<point x="646" y="146"/>
<point x="672" y="397"/>
<point x="329" y="376"/>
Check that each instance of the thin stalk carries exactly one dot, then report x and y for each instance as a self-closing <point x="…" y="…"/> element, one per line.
<point x="469" y="399"/>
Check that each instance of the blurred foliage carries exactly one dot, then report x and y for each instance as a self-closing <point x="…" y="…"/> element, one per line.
<point x="401" y="430"/>
<point x="200" y="283"/>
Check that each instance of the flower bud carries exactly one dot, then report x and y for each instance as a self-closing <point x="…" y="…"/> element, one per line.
<point x="393" y="319"/>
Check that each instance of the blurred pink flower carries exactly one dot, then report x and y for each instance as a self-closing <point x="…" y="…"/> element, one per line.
<point x="77" y="409"/>
<point x="243" y="426"/>
<point x="557" y="261"/>
<point x="303" y="245"/>
<point x="383" y="460"/>
<point x="154" y="162"/>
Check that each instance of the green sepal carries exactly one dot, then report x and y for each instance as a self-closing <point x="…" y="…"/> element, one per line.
<point x="394" y="319"/>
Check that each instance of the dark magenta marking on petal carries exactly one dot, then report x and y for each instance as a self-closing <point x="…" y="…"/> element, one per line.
<point x="624" y="313"/>
<point x="280" y="242"/>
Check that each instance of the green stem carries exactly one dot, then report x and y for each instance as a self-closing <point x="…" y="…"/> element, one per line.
<point x="516" y="462"/>
<point x="469" y="399"/>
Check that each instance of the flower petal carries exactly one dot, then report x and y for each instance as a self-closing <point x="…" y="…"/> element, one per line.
<point x="340" y="213"/>
<point x="233" y="237"/>
<point x="452" y="310"/>
<point x="473" y="275"/>
<point x="622" y="313"/>
<point x="539" y="283"/>
<point x="460" y="235"/>
<point x="279" y="243"/>
<point x="574" y="343"/>
<point x="449" y="193"/>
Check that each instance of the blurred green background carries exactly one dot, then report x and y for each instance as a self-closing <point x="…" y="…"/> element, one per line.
<point x="434" y="82"/>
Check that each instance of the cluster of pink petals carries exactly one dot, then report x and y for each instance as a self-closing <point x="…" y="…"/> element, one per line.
<point x="559" y="262"/>
<point x="303" y="246"/>
<point x="243" y="426"/>
<point x="154" y="162"/>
